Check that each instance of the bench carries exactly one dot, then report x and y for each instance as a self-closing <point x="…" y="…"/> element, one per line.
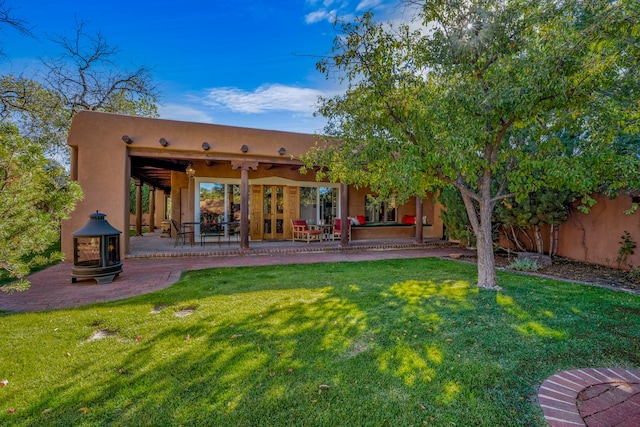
<point x="383" y="230"/>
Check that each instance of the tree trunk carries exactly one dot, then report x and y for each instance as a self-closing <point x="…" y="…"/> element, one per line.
<point x="554" y="240"/>
<point x="538" y="236"/>
<point x="524" y="233"/>
<point x="481" y="224"/>
<point x="516" y="241"/>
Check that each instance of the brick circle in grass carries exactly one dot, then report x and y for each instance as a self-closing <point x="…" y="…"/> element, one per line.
<point x="591" y="397"/>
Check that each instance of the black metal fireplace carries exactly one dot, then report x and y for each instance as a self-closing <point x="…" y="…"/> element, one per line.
<point x="96" y="251"/>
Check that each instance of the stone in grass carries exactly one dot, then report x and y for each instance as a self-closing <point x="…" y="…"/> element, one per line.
<point x="541" y="259"/>
<point x="456" y="256"/>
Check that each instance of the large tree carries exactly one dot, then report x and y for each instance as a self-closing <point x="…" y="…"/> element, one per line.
<point x="472" y="93"/>
<point x="35" y="114"/>
<point x="86" y="75"/>
<point x="35" y="195"/>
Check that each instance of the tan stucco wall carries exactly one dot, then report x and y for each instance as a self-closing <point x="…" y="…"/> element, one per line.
<point x="595" y="237"/>
<point x="101" y="167"/>
<point x="101" y="164"/>
<point x="100" y="158"/>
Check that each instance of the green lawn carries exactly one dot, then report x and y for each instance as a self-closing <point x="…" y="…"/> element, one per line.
<point x="388" y="343"/>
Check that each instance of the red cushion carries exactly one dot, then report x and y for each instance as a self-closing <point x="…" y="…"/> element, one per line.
<point x="409" y="219"/>
<point x="361" y="219"/>
<point x="336" y="227"/>
<point x="300" y="223"/>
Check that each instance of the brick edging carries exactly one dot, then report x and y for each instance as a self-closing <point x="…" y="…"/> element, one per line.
<point x="558" y="394"/>
<point x="289" y="250"/>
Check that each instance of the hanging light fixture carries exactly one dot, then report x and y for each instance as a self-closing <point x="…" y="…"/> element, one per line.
<point x="190" y="171"/>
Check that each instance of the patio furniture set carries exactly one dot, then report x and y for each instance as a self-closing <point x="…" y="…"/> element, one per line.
<point x="186" y="232"/>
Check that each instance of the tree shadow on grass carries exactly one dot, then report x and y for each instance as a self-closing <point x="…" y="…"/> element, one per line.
<point x="372" y="346"/>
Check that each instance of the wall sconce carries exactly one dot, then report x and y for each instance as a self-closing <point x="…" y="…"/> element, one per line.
<point x="205" y="146"/>
<point x="190" y="171"/>
<point x="127" y="139"/>
<point x="244" y="148"/>
<point x="163" y="142"/>
<point x="282" y="151"/>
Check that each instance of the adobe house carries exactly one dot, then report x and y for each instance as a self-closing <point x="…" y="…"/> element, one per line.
<point x="196" y="171"/>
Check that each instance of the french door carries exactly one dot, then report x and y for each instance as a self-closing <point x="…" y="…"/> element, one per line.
<point x="273" y="212"/>
<point x="272" y="208"/>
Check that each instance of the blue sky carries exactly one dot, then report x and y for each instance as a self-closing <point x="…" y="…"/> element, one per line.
<point x="241" y="63"/>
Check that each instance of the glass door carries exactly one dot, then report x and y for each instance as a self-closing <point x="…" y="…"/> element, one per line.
<point x="273" y="212"/>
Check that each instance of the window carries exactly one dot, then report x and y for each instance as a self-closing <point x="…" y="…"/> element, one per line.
<point x="328" y="204"/>
<point x="309" y="204"/>
<point x="318" y="204"/>
<point x="219" y="202"/>
<point x="378" y="210"/>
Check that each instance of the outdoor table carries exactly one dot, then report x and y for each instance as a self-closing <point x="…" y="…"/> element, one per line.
<point x="222" y="228"/>
<point x="327" y="231"/>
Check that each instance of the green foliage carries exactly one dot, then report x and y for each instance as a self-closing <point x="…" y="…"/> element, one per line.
<point x="634" y="274"/>
<point x="627" y="247"/>
<point x="454" y="217"/>
<point x="36" y="110"/>
<point x="397" y="342"/>
<point x="546" y="206"/>
<point x="35" y="195"/>
<point x="524" y="264"/>
<point x="480" y="99"/>
<point x="132" y="197"/>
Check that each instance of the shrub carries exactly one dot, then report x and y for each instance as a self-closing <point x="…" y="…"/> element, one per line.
<point x="524" y="264"/>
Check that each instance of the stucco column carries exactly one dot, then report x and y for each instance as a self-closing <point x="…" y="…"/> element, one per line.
<point x="418" y="219"/>
<point x="344" y="215"/>
<point x="138" y="207"/>
<point x="152" y="209"/>
<point x="244" y="199"/>
<point x="161" y="205"/>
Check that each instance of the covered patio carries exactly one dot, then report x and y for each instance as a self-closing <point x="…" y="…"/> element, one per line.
<point x="211" y="174"/>
<point x="152" y="245"/>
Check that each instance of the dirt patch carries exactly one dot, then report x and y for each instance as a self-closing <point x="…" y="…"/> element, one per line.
<point x="563" y="268"/>
<point x="100" y="334"/>
<point x="158" y="308"/>
<point x="184" y="312"/>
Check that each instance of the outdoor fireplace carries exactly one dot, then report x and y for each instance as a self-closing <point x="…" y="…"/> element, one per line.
<point x="96" y="251"/>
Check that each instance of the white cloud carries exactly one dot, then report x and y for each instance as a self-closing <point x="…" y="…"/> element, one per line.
<point x="183" y="113"/>
<point x="368" y="5"/>
<point x="321" y="15"/>
<point x="266" y="98"/>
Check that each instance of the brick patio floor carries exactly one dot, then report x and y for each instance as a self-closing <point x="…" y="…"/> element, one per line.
<point x="592" y="398"/>
<point x="155" y="264"/>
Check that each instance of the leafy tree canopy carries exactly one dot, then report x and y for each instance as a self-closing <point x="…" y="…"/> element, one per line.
<point x="474" y="94"/>
<point x="86" y="75"/>
<point x="35" y="195"/>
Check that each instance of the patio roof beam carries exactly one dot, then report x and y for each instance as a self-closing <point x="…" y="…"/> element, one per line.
<point x="213" y="156"/>
<point x="168" y="164"/>
<point x="154" y="181"/>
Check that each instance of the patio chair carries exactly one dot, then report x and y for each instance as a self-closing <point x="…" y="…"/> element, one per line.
<point x="337" y="231"/>
<point x="233" y="230"/>
<point x="209" y="229"/>
<point x="182" y="232"/>
<point x="304" y="232"/>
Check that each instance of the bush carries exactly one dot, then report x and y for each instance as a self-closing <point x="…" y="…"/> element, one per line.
<point x="524" y="264"/>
